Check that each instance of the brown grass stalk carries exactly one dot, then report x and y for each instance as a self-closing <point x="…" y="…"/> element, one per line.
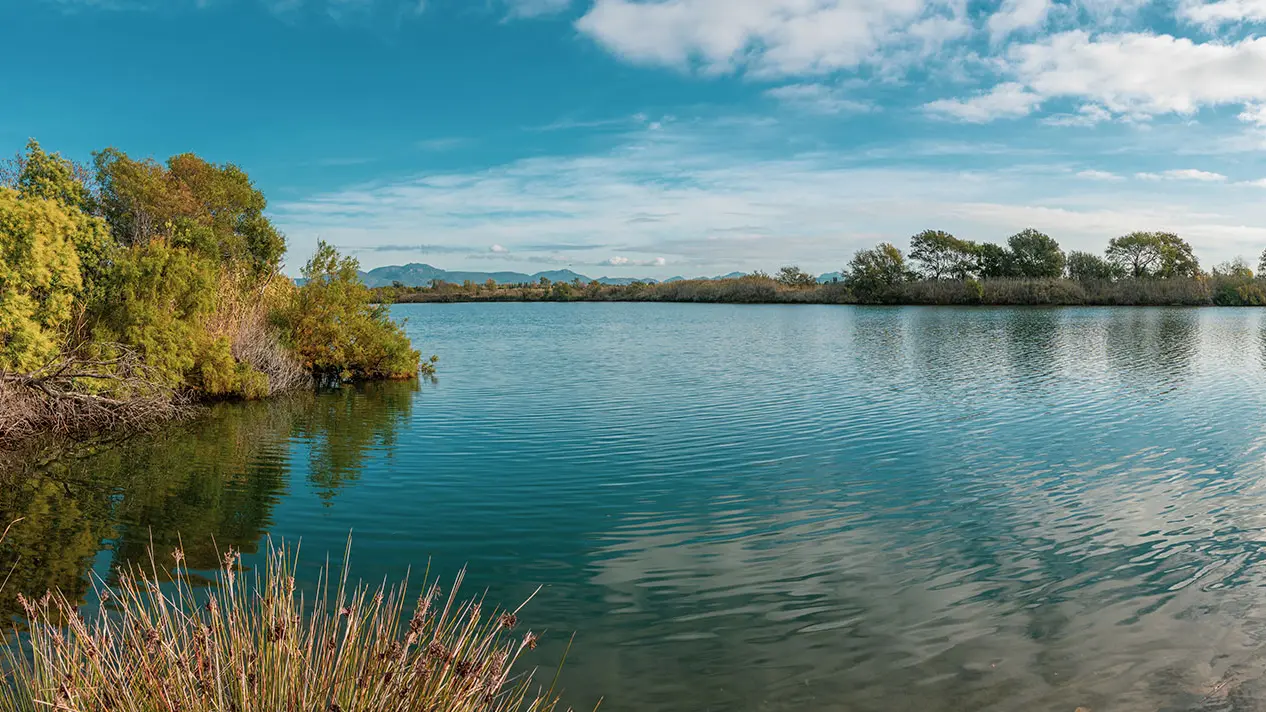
<point x="254" y="644"/>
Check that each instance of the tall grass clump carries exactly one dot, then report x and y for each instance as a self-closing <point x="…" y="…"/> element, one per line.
<point x="252" y="644"/>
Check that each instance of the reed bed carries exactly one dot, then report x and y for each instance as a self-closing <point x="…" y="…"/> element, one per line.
<point x="251" y="643"/>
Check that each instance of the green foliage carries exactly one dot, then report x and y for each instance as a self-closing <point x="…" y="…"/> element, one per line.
<point x="39" y="278"/>
<point x="942" y="256"/>
<point x="1087" y="267"/>
<point x="1237" y="268"/>
<point x="211" y="209"/>
<point x="51" y="177"/>
<point x="872" y="273"/>
<point x="336" y="329"/>
<point x="1036" y="255"/>
<point x="1136" y="254"/>
<point x="793" y="276"/>
<point x="994" y="261"/>
<point x="1153" y="254"/>
<point x="156" y="300"/>
<point x="975" y="291"/>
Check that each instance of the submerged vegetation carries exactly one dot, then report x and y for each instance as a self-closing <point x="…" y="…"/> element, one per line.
<point x="253" y="644"/>
<point x="131" y="289"/>
<point x="1142" y="268"/>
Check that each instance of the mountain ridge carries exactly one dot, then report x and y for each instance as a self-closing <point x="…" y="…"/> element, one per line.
<point x="419" y="274"/>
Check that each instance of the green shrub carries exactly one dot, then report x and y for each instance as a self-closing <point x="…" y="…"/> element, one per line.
<point x="39" y="279"/>
<point x="337" y="331"/>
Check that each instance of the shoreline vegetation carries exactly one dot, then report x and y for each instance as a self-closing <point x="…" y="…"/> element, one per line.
<point x="131" y="291"/>
<point x="250" y="642"/>
<point x="1138" y="269"/>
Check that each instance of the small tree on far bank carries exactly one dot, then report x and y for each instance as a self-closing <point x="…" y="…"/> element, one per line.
<point x="1162" y="255"/>
<point x="793" y="276"/>
<point x="1036" y="255"/>
<point x="1087" y="267"/>
<point x="873" y="273"/>
<point x="941" y="255"/>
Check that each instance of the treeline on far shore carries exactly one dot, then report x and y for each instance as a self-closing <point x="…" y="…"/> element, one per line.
<point x="1138" y="269"/>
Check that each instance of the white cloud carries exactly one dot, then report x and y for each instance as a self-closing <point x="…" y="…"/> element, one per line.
<point x="1003" y="101"/>
<point x="1100" y="175"/>
<point x="685" y="193"/>
<point x="626" y="262"/>
<point x="1254" y="114"/>
<point x="1223" y="12"/>
<point x="765" y="37"/>
<point x="1087" y="115"/>
<point x="1260" y="183"/>
<point x="1183" y="174"/>
<point x="498" y="249"/>
<point x="817" y="98"/>
<point x="1015" y="15"/>
<point x="1142" y="74"/>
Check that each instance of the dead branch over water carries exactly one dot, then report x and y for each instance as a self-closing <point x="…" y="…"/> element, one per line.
<point x="76" y="395"/>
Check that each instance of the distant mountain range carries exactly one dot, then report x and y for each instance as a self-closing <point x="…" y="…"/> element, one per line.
<point x="422" y="275"/>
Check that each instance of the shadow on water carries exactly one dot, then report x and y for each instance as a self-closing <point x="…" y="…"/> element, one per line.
<point x="204" y="486"/>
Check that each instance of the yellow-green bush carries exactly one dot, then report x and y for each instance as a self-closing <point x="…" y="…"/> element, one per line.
<point x="39" y="279"/>
<point x="336" y="329"/>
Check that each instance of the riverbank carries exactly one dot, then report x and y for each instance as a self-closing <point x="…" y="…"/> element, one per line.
<point x="135" y="290"/>
<point x="1206" y="290"/>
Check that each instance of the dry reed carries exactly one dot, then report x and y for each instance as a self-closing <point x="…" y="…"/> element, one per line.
<point x="252" y="644"/>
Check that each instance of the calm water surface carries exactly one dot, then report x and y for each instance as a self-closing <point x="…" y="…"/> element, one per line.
<point x="765" y="508"/>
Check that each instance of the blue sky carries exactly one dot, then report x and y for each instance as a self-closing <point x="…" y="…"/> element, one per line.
<point x="663" y="137"/>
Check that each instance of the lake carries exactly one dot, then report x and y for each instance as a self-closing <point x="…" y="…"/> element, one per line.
<point x="762" y="507"/>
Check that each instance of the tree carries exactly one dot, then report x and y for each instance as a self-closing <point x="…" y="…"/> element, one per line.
<point x="337" y="332"/>
<point x="941" y="255"/>
<point x="1153" y="254"/>
<point x="1261" y="265"/>
<point x="1087" y="267"/>
<point x="1137" y="254"/>
<point x="39" y="279"/>
<point x="1036" y="255"/>
<point x="37" y="174"/>
<point x="994" y="261"/>
<point x="793" y="276"/>
<point x="212" y="209"/>
<point x="872" y="273"/>
<point x="44" y="176"/>
<point x="157" y="300"/>
<point x="1237" y="268"/>
<point x="1177" y="259"/>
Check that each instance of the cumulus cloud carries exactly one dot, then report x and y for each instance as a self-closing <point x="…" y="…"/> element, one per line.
<point x="498" y="249"/>
<point x="764" y="37"/>
<point x="1222" y="12"/>
<point x="1015" y="15"/>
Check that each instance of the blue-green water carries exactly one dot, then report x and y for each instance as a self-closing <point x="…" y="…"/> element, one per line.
<point x="765" y="507"/>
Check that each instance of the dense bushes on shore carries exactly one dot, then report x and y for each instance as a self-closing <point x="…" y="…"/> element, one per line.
<point x="138" y="283"/>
